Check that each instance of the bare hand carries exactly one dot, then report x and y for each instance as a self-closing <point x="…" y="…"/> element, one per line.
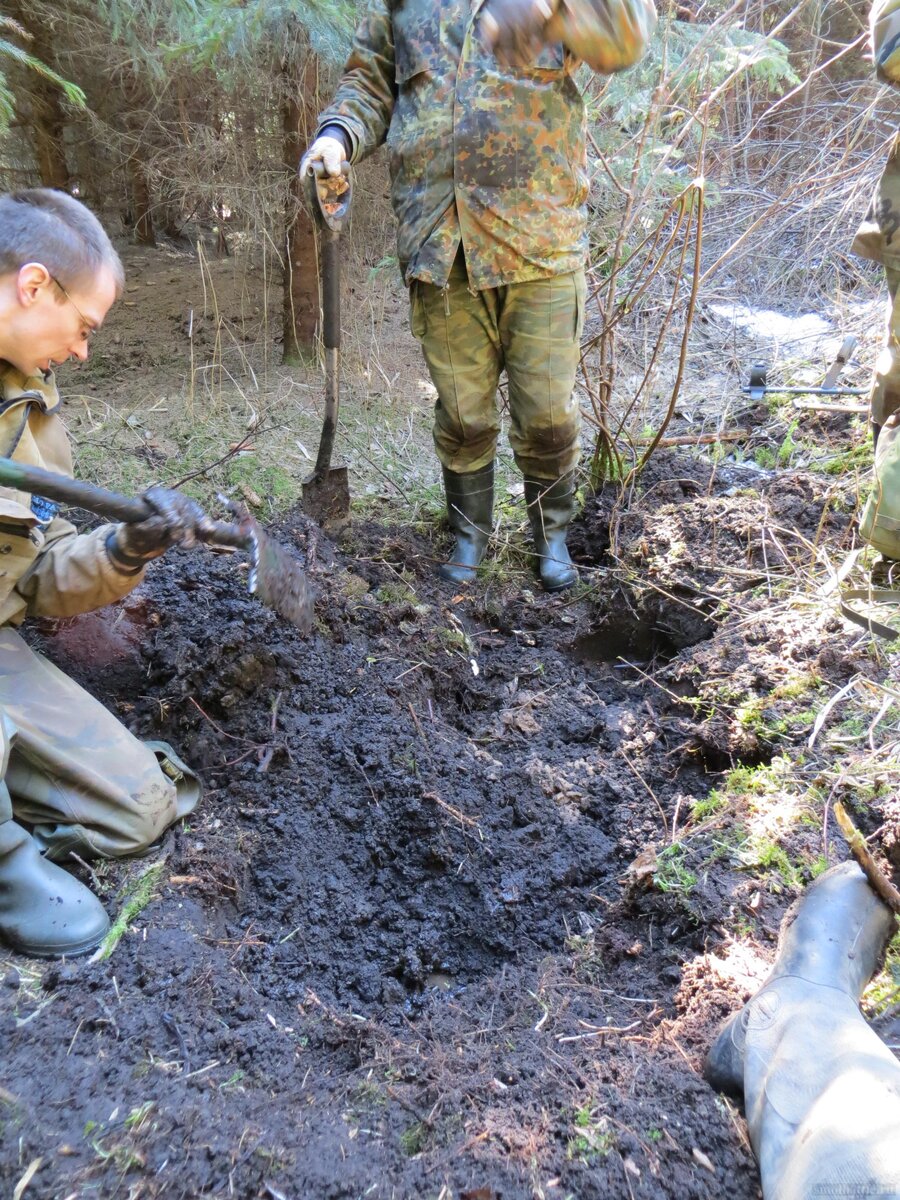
<point x="515" y="29"/>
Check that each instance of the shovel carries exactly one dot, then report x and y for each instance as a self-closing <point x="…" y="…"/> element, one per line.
<point x="276" y="578"/>
<point x="326" y="494"/>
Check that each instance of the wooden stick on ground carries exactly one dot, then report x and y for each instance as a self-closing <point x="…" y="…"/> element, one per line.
<point x="876" y="877"/>
<point x="697" y="439"/>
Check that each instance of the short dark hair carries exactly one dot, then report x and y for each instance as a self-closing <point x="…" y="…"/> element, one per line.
<point x="53" y="228"/>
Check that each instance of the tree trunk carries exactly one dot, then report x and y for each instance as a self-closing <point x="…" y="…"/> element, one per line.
<point x="301" y="290"/>
<point x="48" y="126"/>
<point x="138" y="180"/>
<point x="48" y="118"/>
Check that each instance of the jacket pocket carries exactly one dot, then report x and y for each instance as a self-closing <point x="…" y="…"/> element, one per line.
<point x="548" y="66"/>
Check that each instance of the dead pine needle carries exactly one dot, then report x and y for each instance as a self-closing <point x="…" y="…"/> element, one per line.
<point x="33" y="1168"/>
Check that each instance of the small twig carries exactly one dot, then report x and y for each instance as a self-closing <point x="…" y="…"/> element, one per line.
<point x="95" y="879"/>
<point x="653" y="795"/>
<point x="232" y="452"/>
<point x="599" y="1031"/>
<point x="860" y="851"/>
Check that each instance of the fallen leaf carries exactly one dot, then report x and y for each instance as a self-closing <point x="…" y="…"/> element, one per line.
<point x="642" y="870"/>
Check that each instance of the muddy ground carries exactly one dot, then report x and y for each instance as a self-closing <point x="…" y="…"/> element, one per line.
<point x="422" y="937"/>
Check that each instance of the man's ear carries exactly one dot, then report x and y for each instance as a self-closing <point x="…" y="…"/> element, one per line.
<point x="32" y="278"/>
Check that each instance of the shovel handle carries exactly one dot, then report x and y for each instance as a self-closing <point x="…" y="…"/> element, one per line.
<point x="112" y="506"/>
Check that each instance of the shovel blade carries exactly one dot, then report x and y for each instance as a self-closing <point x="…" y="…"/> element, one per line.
<point x="326" y="498"/>
<point x="277" y="579"/>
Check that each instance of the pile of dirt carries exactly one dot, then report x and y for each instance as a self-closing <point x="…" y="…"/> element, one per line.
<point x="403" y="948"/>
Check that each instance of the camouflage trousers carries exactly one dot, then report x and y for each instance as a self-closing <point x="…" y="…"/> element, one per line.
<point x="533" y="331"/>
<point x="884" y="398"/>
<point x="878" y="238"/>
<point x="75" y="774"/>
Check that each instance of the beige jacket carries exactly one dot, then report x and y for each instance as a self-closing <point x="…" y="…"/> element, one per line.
<point x="47" y="568"/>
<point x="884" y="27"/>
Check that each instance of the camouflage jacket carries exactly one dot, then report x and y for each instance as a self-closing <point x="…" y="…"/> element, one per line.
<point x="46" y="567"/>
<point x="491" y="155"/>
<point x="878" y="237"/>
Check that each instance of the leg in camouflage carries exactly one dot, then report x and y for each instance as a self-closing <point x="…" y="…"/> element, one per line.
<point x="531" y="329"/>
<point x="878" y="239"/>
<point x="75" y="774"/>
<point x="884" y="399"/>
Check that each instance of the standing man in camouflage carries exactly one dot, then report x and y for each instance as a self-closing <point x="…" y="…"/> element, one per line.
<point x="485" y="131"/>
<point x="73" y="780"/>
<point x="878" y="237"/>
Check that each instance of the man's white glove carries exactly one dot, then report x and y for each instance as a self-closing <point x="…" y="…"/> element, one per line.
<point x="328" y="151"/>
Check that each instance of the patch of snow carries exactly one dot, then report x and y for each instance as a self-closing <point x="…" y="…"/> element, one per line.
<point x="767" y="323"/>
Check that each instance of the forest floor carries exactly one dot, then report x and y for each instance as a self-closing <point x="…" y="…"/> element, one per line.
<point x="475" y="875"/>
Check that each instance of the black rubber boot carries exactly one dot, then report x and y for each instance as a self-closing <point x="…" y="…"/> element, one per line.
<point x="551" y="506"/>
<point x="821" y="1090"/>
<point x="44" y="911"/>
<point x="470" y="510"/>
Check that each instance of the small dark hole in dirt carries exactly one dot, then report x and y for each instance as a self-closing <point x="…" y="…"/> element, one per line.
<point x="627" y="639"/>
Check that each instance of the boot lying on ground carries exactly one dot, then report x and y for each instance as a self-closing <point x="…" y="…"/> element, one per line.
<point x="551" y="506"/>
<point x="821" y="1090"/>
<point x="44" y="911"/>
<point x="470" y="511"/>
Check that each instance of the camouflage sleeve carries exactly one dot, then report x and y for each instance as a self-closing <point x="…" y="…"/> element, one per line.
<point x="884" y="21"/>
<point x="73" y="574"/>
<point x="609" y="35"/>
<point x="364" y="100"/>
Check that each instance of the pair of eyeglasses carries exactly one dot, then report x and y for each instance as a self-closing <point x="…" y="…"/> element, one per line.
<point x="90" y="328"/>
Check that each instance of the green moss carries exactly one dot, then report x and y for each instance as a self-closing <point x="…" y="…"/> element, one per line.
<point x="672" y="873"/>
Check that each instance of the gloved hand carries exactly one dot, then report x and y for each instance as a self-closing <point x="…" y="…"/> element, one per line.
<point x="176" y="520"/>
<point x="329" y="151"/>
<point x="515" y="29"/>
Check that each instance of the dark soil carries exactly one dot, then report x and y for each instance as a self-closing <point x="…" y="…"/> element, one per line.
<point x="403" y="948"/>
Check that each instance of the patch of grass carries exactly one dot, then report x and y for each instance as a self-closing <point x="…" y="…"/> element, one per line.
<point x="708" y="806"/>
<point x="413" y="1139"/>
<point x="592" y="1138"/>
<point x="587" y="962"/>
<point x="764" y="780"/>
<point x="850" y="461"/>
<point x="269" y="480"/>
<point x="456" y="639"/>
<point x="672" y="873"/>
<point x="136" y="901"/>
<point x="757" y="716"/>
<point x="767" y="855"/>
<point x="883" y="993"/>
<point x="395" y="593"/>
